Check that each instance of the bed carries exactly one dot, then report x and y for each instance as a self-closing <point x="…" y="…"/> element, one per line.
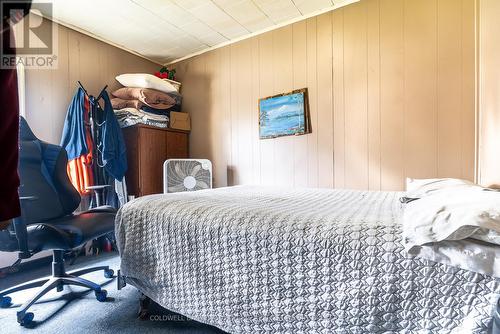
<point x="269" y="260"/>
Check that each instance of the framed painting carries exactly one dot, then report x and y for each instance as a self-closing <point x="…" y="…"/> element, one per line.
<point x="284" y="115"/>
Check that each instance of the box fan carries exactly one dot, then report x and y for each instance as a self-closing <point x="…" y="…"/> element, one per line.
<point x="186" y="175"/>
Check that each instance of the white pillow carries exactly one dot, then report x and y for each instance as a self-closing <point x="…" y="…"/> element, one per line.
<point x="418" y="188"/>
<point x="453" y="214"/>
<point x="144" y="80"/>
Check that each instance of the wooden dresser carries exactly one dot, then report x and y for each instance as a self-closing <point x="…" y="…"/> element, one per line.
<point x="147" y="148"/>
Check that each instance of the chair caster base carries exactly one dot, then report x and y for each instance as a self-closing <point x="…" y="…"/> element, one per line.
<point x="101" y="295"/>
<point x="109" y="273"/>
<point x="25" y="319"/>
<point x="57" y="281"/>
<point x="5" y="302"/>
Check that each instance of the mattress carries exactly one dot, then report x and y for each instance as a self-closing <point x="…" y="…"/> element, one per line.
<point x="268" y="260"/>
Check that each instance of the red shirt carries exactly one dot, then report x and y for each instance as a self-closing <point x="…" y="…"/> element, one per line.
<point x="9" y="144"/>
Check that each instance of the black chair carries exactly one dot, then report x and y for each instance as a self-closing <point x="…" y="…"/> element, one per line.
<point x="48" y="222"/>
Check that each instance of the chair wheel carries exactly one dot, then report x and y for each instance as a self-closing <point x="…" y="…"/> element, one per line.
<point x="101" y="295"/>
<point x="5" y="302"/>
<point x="26" y="319"/>
<point x="109" y="273"/>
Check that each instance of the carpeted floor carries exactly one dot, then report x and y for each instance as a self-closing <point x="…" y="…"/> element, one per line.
<point x="75" y="310"/>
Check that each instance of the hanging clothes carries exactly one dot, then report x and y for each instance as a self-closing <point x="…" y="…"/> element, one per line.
<point x="77" y="141"/>
<point x="95" y="145"/>
<point x="113" y="150"/>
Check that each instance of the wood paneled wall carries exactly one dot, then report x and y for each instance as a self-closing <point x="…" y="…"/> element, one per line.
<point x="94" y="63"/>
<point x="391" y="86"/>
<point x="489" y="93"/>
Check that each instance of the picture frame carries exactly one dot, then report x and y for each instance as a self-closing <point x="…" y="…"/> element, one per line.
<point x="284" y="114"/>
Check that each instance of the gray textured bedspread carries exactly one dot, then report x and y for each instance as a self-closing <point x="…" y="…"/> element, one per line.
<point x="266" y="260"/>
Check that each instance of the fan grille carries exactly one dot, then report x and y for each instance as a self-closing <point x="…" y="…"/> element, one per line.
<point x="187" y="175"/>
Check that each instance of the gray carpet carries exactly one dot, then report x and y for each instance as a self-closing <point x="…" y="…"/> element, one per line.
<point x="75" y="310"/>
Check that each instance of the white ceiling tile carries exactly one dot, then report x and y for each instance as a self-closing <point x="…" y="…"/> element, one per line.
<point x="164" y="30"/>
<point x="278" y="10"/>
<point x="212" y="15"/>
<point x="310" y="6"/>
<point x="202" y="32"/>
<point x="247" y="13"/>
<point x="213" y="39"/>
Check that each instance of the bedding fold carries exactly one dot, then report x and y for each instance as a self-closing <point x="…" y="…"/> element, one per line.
<point x="150" y="97"/>
<point x="118" y="103"/>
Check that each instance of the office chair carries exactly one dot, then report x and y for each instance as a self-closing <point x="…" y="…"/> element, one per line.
<point x="48" y="222"/>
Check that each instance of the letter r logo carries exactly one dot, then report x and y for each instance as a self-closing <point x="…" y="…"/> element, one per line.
<point x="30" y="34"/>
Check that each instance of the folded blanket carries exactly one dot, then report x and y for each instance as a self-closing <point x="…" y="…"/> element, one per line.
<point x="131" y="116"/>
<point x="122" y="104"/>
<point x="140" y="113"/>
<point x="150" y="97"/>
<point x="160" y="111"/>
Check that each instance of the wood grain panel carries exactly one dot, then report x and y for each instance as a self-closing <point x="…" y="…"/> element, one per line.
<point x="325" y="102"/>
<point x="312" y="87"/>
<point x="215" y="116"/>
<point x="390" y="96"/>
<point x="266" y="89"/>
<point x="299" y="66"/>
<point x="60" y="86"/>
<point x="420" y="140"/>
<point x="373" y="91"/>
<point x="176" y="145"/>
<point x="198" y="84"/>
<point x="236" y="63"/>
<point x="225" y="81"/>
<point x="468" y="92"/>
<point x="489" y="88"/>
<point x="356" y="96"/>
<point x="283" y="82"/>
<point x="152" y="155"/>
<point x="339" y="125"/>
<point x="255" y="95"/>
<point x="449" y="86"/>
<point x="244" y="111"/>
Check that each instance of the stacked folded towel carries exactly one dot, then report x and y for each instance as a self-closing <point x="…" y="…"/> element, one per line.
<point x="132" y="116"/>
<point x="142" y="96"/>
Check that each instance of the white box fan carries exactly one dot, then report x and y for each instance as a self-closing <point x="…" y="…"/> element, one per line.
<point x="186" y="175"/>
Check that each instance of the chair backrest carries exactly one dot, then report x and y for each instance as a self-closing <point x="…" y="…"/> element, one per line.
<point x="43" y="174"/>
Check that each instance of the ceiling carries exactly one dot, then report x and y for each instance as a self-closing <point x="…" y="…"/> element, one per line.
<point x="167" y="30"/>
